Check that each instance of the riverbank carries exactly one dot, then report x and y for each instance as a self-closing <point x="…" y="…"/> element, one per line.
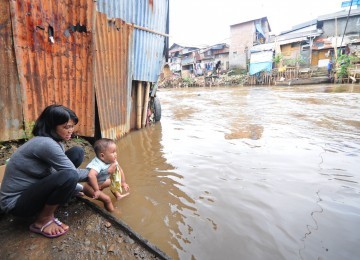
<point x="292" y="77"/>
<point x="93" y="233"/>
<point x="227" y="79"/>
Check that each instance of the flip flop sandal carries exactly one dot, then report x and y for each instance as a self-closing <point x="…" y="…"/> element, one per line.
<point x="41" y="230"/>
<point x="59" y="223"/>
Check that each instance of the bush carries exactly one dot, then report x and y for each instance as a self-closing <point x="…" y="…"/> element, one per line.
<point x="293" y="62"/>
<point x="237" y="71"/>
<point x="344" y="61"/>
<point x="188" y="80"/>
<point x="278" y="58"/>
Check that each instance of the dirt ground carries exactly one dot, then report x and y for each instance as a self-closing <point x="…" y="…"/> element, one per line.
<point x="8" y="148"/>
<point x="93" y="234"/>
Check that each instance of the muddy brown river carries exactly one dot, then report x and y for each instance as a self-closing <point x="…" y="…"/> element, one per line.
<point x="248" y="173"/>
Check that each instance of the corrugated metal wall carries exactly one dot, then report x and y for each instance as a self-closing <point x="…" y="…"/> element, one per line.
<point x="150" y="21"/>
<point x="112" y="47"/>
<point x="11" y="118"/>
<point x="53" y="42"/>
<point x="62" y="51"/>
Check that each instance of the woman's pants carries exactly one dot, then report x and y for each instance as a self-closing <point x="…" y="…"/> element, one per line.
<point x="54" y="189"/>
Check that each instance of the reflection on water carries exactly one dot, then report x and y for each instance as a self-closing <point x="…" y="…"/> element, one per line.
<point x="248" y="173"/>
<point x="156" y="205"/>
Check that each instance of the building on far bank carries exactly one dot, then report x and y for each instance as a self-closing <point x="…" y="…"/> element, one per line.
<point x="245" y="35"/>
<point x="295" y="44"/>
<point x="175" y="58"/>
<point x="187" y="61"/>
<point x="210" y="56"/>
<point x="338" y="32"/>
<point x="261" y="58"/>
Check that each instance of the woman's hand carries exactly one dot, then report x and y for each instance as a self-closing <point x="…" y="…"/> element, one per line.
<point x="96" y="194"/>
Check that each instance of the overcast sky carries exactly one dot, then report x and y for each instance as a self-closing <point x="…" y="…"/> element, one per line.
<point x="207" y="22"/>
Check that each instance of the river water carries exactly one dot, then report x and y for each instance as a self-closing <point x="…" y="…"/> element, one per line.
<point x="248" y="173"/>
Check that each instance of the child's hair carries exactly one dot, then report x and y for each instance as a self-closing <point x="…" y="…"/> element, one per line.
<point x="101" y="145"/>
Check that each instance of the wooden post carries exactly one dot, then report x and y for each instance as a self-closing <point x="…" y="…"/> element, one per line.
<point x="138" y="107"/>
<point x="146" y="102"/>
<point x="311" y="49"/>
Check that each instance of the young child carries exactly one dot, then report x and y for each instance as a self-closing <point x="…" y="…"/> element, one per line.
<point x="104" y="171"/>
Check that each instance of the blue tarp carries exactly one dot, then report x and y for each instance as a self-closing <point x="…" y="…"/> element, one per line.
<point x="260" y="66"/>
<point x="349" y="3"/>
<point x="259" y="29"/>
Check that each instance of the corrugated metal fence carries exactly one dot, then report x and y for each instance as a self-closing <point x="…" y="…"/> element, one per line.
<point x="11" y="118"/>
<point x="79" y="54"/>
<point x="111" y="70"/>
<point x="149" y="18"/>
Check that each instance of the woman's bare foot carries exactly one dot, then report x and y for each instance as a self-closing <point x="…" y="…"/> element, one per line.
<point x="59" y="223"/>
<point x="52" y="227"/>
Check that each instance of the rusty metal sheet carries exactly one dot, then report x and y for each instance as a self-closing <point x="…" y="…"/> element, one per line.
<point x="53" y="46"/>
<point x="11" y="119"/>
<point x="112" y="46"/>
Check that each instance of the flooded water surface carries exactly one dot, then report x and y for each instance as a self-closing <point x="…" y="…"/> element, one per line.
<point x="248" y="173"/>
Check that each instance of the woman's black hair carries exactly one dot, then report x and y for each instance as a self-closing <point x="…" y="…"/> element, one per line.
<point x="50" y="118"/>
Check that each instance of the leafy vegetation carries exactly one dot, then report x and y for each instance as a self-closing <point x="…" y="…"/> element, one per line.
<point x="278" y="58"/>
<point x="293" y="62"/>
<point x="28" y="130"/>
<point x="188" y="80"/>
<point x="344" y="61"/>
<point x="237" y="71"/>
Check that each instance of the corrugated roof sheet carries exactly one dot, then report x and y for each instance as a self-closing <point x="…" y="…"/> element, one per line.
<point x="251" y="20"/>
<point x="300" y="26"/>
<point x="338" y="15"/>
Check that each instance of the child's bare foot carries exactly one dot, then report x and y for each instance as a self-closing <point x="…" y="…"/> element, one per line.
<point x="120" y="196"/>
<point x="109" y="206"/>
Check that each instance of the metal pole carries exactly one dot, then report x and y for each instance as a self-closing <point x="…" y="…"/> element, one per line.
<point x="347" y="20"/>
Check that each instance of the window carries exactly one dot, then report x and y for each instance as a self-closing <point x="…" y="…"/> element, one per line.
<point x="305" y="47"/>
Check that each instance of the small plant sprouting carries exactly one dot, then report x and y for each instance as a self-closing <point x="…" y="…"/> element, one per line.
<point x="28" y="130"/>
